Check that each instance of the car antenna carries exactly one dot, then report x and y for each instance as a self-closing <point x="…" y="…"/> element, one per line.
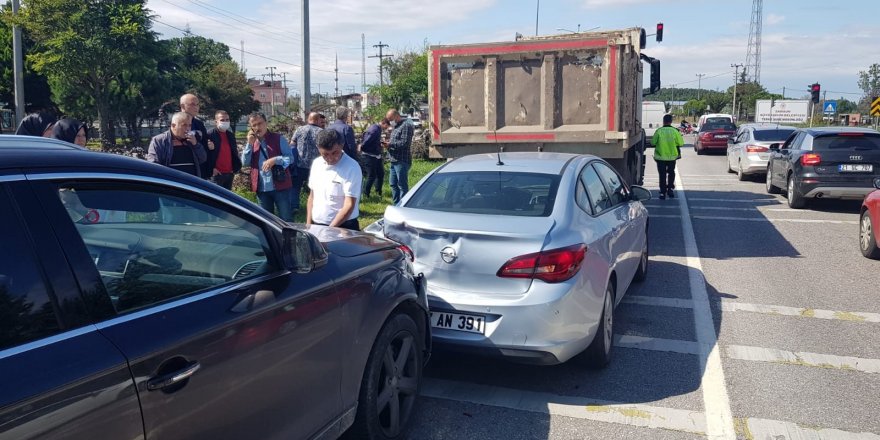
<point x="500" y="149"/>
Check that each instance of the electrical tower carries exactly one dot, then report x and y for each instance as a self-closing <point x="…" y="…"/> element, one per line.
<point x="752" y="69"/>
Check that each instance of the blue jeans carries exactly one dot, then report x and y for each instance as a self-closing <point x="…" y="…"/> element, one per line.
<point x="300" y="180"/>
<point x="270" y="200"/>
<point x="399" y="180"/>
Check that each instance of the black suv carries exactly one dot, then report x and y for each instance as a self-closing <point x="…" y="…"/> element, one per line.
<point x="140" y="302"/>
<point x="826" y="162"/>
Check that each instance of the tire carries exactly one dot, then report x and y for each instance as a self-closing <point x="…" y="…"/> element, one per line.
<point x="729" y="169"/>
<point x="867" y="237"/>
<point x="598" y="354"/>
<point x="742" y="177"/>
<point x="398" y="386"/>
<point x="771" y="188"/>
<point x="699" y="151"/>
<point x="642" y="271"/>
<point x="795" y="199"/>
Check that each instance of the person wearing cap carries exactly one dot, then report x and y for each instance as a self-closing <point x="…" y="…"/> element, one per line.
<point x="305" y="140"/>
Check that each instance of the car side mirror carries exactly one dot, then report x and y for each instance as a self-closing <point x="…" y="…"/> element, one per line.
<point x="774" y="147"/>
<point x="640" y="194"/>
<point x="302" y="252"/>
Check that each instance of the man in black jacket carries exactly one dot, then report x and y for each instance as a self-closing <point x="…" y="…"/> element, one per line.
<point x="223" y="156"/>
<point x="189" y="104"/>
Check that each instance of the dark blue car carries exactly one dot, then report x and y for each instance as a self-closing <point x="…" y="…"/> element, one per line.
<point x="140" y="302"/>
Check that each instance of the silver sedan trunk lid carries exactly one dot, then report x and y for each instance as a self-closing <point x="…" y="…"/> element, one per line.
<point x="462" y="252"/>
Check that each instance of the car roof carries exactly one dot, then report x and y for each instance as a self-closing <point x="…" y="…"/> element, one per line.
<point x="819" y="131"/>
<point x="531" y="162"/>
<point x="18" y="141"/>
<point x="759" y="126"/>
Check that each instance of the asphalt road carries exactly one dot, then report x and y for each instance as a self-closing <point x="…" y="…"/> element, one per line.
<point x="756" y="322"/>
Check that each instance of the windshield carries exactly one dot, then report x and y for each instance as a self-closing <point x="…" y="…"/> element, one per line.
<point x="493" y="193"/>
<point x="772" y="135"/>
<point x="717" y="120"/>
<point x="854" y="142"/>
<point x="719" y="126"/>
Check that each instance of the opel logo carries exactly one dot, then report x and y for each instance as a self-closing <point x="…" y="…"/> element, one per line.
<point x="855" y="158"/>
<point x="448" y="255"/>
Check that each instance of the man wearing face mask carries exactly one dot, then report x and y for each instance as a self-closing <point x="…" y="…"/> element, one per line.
<point x="223" y="158"/>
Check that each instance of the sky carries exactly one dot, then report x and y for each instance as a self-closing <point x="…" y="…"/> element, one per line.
<point x="803" y="41"/>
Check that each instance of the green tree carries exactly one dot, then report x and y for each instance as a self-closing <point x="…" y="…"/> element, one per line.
<point x="407" y="87"/>
<point x="224" y="87"/>
<point x="695" y="107"/>
<point x="869" y="80"/>
<point x="37" y="94"/>
<point x="86" y="47"/>
<point x="846" y="106"/>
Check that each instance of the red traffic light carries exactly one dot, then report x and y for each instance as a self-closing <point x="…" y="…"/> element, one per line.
<point x="815" y="87"/>
<point x="659" y="32"/>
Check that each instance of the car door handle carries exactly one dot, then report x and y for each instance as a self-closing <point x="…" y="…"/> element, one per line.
<point x="166" y="380"/>
<point x="254" y="301"/>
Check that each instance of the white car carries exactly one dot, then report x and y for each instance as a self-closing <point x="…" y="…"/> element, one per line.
<point x="749" y="150"/>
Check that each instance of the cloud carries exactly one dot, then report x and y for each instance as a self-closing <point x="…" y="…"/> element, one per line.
<point x="773" y="19"/>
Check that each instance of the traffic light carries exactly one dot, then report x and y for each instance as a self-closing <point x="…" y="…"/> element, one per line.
<point x="814" y="90"/>
<point x="659" y="31"/>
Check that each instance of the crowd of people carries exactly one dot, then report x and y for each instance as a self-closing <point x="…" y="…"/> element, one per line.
<point x="324" y="159"/>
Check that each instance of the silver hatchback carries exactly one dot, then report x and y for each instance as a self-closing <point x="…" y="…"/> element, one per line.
<point x="525" y="254"/>
<point x="749" y="150"/>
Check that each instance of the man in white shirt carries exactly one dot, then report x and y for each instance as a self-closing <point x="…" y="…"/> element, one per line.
<point x="335" y="184"/>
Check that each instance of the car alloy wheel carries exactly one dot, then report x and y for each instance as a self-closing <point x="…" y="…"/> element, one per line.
<point x="867" y="239"/>
<point x="771" y="189"/>
<point x="795" y="200"/>
<point x="391" y="381"/>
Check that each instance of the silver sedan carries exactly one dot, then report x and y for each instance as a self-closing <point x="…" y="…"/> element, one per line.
<point x="525" y="255"/>
<point x="749" y="150"/>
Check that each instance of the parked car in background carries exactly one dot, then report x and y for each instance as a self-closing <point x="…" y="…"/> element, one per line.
<point x="525" y="254"/>
<point x="825" y="162"/>
<point x="714" y="118"/>
<point x="191" y="312"/>
<point x="869" y="224"/>
<point x="713" y="136"/>
<point x="749" y="149"/>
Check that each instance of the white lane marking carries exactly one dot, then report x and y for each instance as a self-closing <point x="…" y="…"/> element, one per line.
<point x="729" y="306"/>
<point x="773" y="429"/>
<point x="761" y="354"/>
<point x="656" y="344"/>
<point x="567" y="406"/>
<point x="773" y="201"/>
<point x="658" y="301"/>
<point x="763" y="219"/>
<point x="719" y="419"/>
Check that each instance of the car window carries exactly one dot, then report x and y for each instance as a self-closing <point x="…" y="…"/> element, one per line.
<point x="613" y="184"/>
<point x="789" y="141"/>
<point x="169" y="245"/>
<point x="27" y="311"/>
<point x="719" y="126"/>
<point x="718" y="120"/>
<point x="599" y="199"/>
<point x="492" y="193"/>
<point x="850" y="142"/>
<point x="773" y="135"/>
<point x="796" y="143"/>
<point x="581" y="198"/>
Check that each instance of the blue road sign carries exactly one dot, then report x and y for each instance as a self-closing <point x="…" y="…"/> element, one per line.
<point x="830" y="107"/>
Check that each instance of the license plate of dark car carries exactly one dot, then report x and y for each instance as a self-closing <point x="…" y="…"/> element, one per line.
<point x="857" y="168"/>
<point x="456" y="321"/>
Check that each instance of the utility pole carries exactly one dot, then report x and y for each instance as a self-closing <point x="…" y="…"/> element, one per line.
<point x="18" y="68"/>
<point x="286" y="90"/>
<point x="336" y="72"/>
<point x="735" y="83"/>
<point x="783" y="92"/>
<point x="700" y="84"/>
<point x="381" y="58"/>
<point x="242" y="56"/>
<point x="272" y="86"/>
<point x="537" y="12"/>
<point x="306" y="97"/>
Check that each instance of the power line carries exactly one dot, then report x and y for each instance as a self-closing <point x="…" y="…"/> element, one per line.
<point x="255" y="54"/>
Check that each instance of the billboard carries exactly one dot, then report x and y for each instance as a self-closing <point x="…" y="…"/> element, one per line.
<point x="787" y="111"/>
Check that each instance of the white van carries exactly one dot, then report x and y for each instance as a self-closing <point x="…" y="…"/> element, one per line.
<point x="652" y="117"/>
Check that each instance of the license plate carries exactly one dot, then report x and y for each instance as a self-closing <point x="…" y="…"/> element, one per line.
<point x="856" y="168"/>
<point x="456" y="321"/>
<point x="721" y="136"/>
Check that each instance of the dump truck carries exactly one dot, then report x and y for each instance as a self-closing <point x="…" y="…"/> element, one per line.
<point x="574" y="93"/>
